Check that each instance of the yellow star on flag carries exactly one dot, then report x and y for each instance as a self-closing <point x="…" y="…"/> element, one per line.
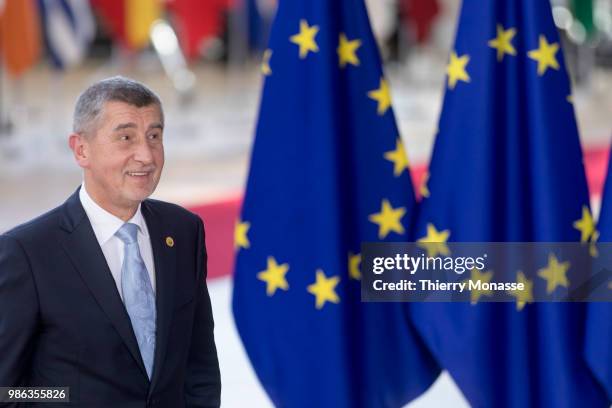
<point x="241" y="239"/>
<point x="585" y="225"/>
<point x="382" y="95"/>
<point x="555" y="274"/>
<point x="424" y="188"/>
<point x="347" y="51"/>
<point x="435" y="241"/>
<point x="503" y="42"/>
<point x="306" y="38"/>
<point x="354" y="263"/>
<point x="456" y="69"/>
<point x="398" y="158"/>
<point x="274" y="276"/>
<point x="265" y="64"/>
<point x="484" y="277"/>
<point x="388" y="219"/>
<point x="324" y="289"/>
<point x="545" y="56"/>
<point x="525" y="295"/>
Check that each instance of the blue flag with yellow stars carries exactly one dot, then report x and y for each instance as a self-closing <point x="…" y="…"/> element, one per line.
<point x="598" y="342"/>
<point x="507" y="166"/>
<point x="328" y="171"/>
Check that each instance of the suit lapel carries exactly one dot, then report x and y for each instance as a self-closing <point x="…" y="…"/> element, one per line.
<point x="85" y="253"/>
<point x="164" y="257"/>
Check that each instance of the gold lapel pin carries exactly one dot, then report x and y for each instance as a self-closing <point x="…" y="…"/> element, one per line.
<point x="169" y="242"/>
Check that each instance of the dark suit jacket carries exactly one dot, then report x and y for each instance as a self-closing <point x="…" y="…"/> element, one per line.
<point x="62" y="322"/>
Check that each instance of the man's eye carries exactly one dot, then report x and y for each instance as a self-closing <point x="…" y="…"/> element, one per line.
<point x="124" y="137"/>
<point x="154" y="136"/>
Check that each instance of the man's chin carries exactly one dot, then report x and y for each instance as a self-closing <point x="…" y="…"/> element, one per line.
<point x="139" y="195"/>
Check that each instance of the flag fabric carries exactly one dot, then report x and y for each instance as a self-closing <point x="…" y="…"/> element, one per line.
<point x="419" y="16"/>
<point x="19" y="35"/>
<point x="197" y="21"/>
<point x="139" y="16"/>
<point x="328" y="172"/>
<point x="69" y="29"/>
<point x="598" y="343"/>
<point x="128" y="22"/>
<point x="584" y="12"/>
<point x="112" y="17"/>
<point x="507" y="166"/>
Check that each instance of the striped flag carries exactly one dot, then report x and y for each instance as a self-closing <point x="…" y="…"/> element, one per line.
<point x="69" y="29"/>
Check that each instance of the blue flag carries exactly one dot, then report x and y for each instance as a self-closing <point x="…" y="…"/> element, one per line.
<point x="328" y="171"/>
<point x="598" y="343"/>
<point x="507" y="166"/>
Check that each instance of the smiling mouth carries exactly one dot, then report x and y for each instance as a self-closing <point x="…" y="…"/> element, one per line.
<point x="139" y="174"/>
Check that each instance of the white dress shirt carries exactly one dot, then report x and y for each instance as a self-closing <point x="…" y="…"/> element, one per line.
<point x="105" y="225"/>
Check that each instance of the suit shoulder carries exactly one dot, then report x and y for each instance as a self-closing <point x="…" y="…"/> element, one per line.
<point x="38" y="227"/>
<point x="174" y="211"/>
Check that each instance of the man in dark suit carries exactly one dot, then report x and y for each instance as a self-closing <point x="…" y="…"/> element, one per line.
<point x="106" y="294"/>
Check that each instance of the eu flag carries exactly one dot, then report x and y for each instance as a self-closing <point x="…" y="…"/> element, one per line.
<point x="328" y="171"/>
<point x="598" y="342"/>
<point x="507" y="166"/>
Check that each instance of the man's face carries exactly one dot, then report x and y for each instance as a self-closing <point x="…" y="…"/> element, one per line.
<point x="125" y="155"/>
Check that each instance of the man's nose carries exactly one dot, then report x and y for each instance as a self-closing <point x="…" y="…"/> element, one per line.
<point x="143" y="151"/>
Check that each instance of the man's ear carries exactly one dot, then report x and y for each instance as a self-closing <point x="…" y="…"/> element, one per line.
<point x="80" y="148"/>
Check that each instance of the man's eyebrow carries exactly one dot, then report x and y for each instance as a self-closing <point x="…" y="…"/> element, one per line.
<point x="156" y="125"/>
<point x="131" y="125"/>
<point x="124" y="126"/>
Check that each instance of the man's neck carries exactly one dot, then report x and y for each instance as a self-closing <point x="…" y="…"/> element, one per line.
<point x="123" y="213"/>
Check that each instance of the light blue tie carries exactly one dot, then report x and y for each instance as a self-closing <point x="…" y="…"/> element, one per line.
<point x="138" y="295"/>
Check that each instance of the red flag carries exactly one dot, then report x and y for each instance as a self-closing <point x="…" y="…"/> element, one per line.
<point x="128" y="21"/>
<point x="198" y="20"/>
<point x="420" y="14"/>
<point x="112" y="14"/>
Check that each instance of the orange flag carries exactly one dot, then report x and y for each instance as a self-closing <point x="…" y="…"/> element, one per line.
<point x="20" y="41"/>
<point x="139" y="16"/>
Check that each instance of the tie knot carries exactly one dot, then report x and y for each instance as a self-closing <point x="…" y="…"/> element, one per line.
<point x="127" y="233"/>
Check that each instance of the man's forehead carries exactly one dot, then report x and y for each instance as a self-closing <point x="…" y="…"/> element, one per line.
<point x="115" y="113"/>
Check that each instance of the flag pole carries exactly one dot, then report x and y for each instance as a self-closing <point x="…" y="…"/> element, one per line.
<point x="238" y="29"/>
<point x="166" y="46"/>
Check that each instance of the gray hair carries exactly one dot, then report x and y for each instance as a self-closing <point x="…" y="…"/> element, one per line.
<point x="91" y="102"/>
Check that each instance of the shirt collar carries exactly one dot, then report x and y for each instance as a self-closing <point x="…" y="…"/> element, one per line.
<point x="105" y="224"/>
